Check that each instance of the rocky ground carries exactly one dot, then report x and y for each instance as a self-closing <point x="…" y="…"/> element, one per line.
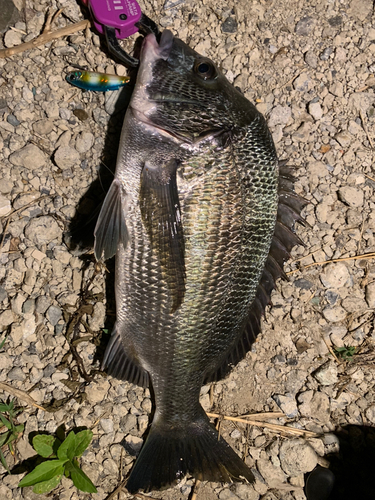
<point x="310" y="68"/>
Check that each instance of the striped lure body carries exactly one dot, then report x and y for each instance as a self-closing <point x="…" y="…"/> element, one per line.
<point x="100" y="82"/>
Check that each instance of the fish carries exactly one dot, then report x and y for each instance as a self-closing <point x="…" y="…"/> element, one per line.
<point x="200" y="218"/>
<point x="100" y="82"/>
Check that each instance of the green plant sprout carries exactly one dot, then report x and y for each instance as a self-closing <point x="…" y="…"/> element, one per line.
<point x="8" y="414"/>
<point x="3" y="342"/>
<point x="346" y="353"/>
<point x="62" y="460"/>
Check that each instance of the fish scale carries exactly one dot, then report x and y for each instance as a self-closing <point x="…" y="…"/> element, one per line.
<point x="191" y="216"/>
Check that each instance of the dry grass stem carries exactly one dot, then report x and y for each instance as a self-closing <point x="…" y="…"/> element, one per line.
<point x="195" y="490"/>
<point x="368" y="177"/>
<point x="364" y="256"/>
<point x="23" y="396"/>
<point x="329" y="347"/>
<point x="364" y="126"/>
<point x="44" y="38"/>
<point x="274" y="427"/>
<point x="117" y="490"/>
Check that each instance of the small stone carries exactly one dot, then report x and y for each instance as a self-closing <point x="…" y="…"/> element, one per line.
<point x="96" y="392"/>
<point x="326" y="374"/>
<point x="335" y="20"/>
<point x="314" y="405"/>
<point x="13" y="120"/>
<point x="65" y="113"/>
<point x="271" y="474"/>
<point x="302" y="83"/>
<point x="66" y="157"/>
<point x="12" y="38"/>
<point x="16" y="374"/>
<point x="236" y="434"/>
<point x="337" y="89"/>
<point x="107" y="425"/>
<point x="246" y="492"/>
<point x="128" y="422"/>
<point x="325" y="55"/>
<point x="133" y="444"/>
<point x="227" y="494"/>
<point x="311" y="59"/>
<point x="30" y="157"/>
<point x="42" y="304"/>
<point x="351" y="196"/>
<point x="315" y="110"/>
<point x="334" y="314"/>
<point x="5" y="206"/>
<point x="84" y="142"/>
<point x="370" y="414"/>
<point x="303" y="284"/>
<point x="297" y="457"/>
<point x="370" y="295"/>
<point x="344" y="139"/>
<point x="360" y="9"/>
<point x="81" y="114"/>
<point x="335" y="275"/>
<point x="287" y="404"/>
<point x="229" y="25"/>
<point x="54" y="313"/>
<point x="43" y="127"/>
<point x="3" y="294"/>
<point x="280" y="115"/>
<point x="6" y="318"/>
<point x="42" y="230"/>
<point x="304" y="26"/>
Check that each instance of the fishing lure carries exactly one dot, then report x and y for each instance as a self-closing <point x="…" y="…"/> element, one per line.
<point x="100" y="82"/>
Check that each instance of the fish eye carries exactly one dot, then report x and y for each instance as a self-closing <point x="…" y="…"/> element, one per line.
<point x="205" y="69"/>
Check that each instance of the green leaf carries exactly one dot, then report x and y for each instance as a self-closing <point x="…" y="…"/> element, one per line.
<point x="3" y="342"/>
<point x="43" y="472"/>
<point x="43" y="445"/>
<point x="4" y="437"/>
<point x="47" y="486"/>
<point x="5" y="422"/>
<point x="79" y="478"/>
<point x="3" y="407"/>
<point x="3" y="461"/>
<point x="83" y="439"/>
<point x="67" y="448"/>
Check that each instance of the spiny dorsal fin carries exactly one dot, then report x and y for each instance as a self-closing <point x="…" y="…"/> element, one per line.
<point x="284" y="239"/>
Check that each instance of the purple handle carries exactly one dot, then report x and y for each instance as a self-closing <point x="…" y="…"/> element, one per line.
<point x="119" y="14"/>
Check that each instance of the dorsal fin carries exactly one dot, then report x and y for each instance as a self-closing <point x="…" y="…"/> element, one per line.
<point x="284" y="239"/>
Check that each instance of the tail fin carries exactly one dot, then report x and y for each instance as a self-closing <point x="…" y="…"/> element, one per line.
<point x="170" y="453"/>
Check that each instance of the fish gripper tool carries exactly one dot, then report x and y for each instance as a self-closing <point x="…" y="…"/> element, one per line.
<point x="119" y="19"/>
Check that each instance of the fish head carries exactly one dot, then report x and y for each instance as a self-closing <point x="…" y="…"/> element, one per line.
<point x="184" y="94"/>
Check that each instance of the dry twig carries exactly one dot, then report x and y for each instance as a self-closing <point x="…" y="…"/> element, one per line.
<point x="364" y="256"/>
<point x="364" y="126"/>
<point x="44" y="38"/>
<point x="22" y="395"/>
<point x="273" y="427"/>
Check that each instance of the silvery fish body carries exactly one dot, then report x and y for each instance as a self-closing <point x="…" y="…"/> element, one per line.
<point x="191" y="217"/>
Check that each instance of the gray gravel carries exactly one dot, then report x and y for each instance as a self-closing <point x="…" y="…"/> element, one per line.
<point x="309" y="67"/>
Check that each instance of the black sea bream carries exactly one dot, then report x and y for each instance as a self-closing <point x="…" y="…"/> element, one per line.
<point x="192" y="216"/>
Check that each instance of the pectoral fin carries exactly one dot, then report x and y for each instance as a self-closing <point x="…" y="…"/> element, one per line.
<point x="161" y="215"/>
<point x="111" y="229"/>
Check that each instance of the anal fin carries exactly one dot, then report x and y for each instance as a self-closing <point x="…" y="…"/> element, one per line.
<point x="119" y="364"/>
<point x="110" y="228"/>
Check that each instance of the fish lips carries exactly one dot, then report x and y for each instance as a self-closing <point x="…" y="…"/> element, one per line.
<point x="152" y="50"/>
